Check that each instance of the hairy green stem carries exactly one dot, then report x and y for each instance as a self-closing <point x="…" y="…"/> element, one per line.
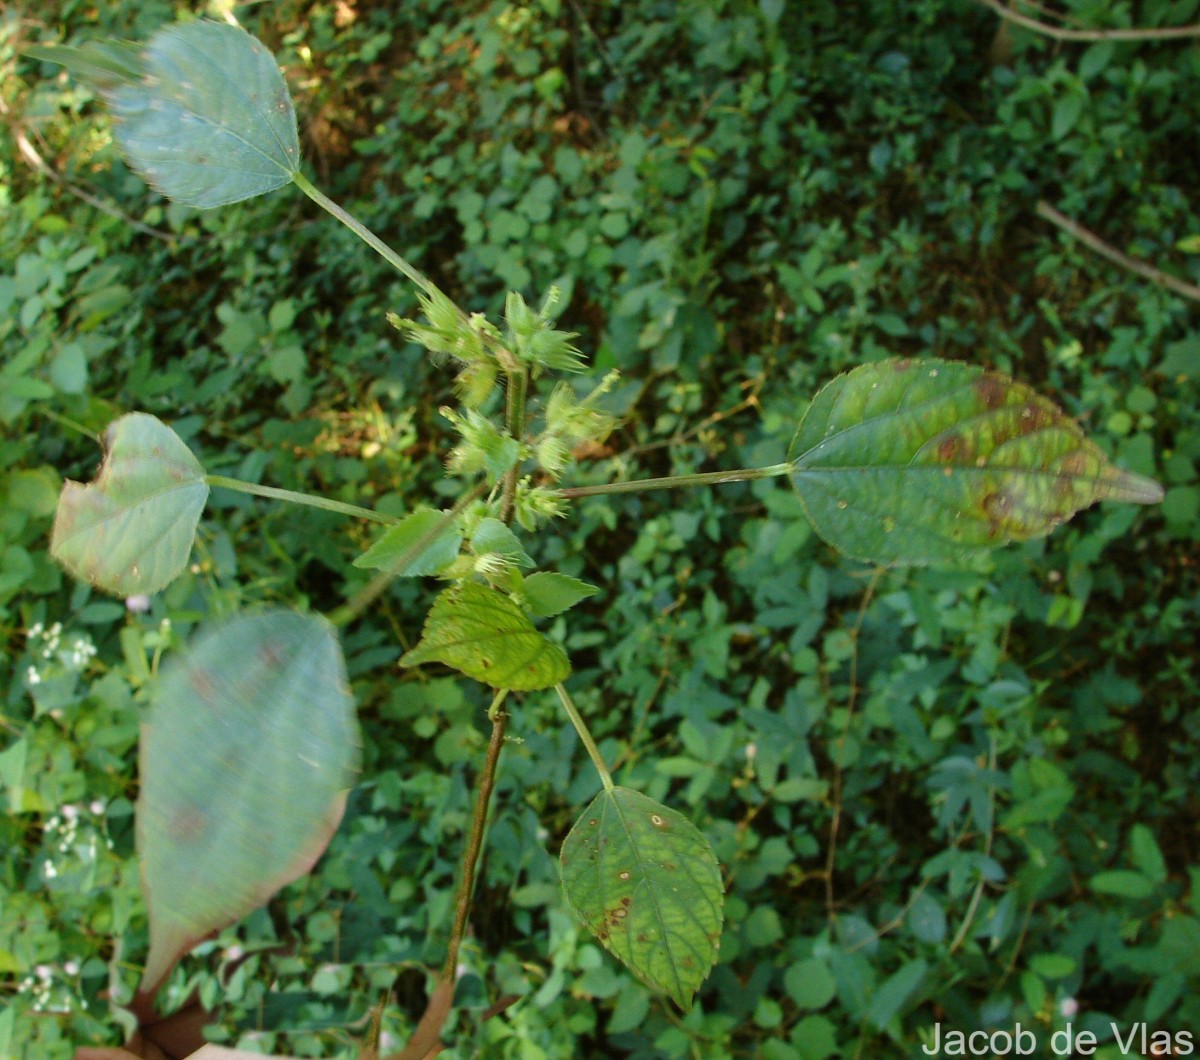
<point x="466" y="880"/>
<point x="515" y="392"/>
<point x="366" y="235"/>
<point x="708" y="478"/>
<point x="291" y="496"/>
<point x="586" y="736"/>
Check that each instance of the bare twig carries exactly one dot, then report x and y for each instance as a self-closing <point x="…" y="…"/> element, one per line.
<point x="34" y="158"/>
<point x="1062" y="33"/>
<point x="1090" y="239"/>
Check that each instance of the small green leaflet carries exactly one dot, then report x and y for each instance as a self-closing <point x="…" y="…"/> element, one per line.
<point x="483" y="634"/>
<point x="547" y="593"/>
<point x="246" y="760"/>
<point x="644" y="880"/>
<point x="930" y="461"/>
<point x="407" y="535"/>
<point x="491" y="535"/>
<point x="203" y="113"/>
<point x="131" y="530"/>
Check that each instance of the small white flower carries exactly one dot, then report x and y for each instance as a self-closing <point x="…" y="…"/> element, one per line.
<point x="138" y="604"/>
<point x="71" y="967"/>
<point x="1068" y="1007"/>
<point x="751" y="751"/>
<point x="32" y="677"/>
<point x="96" y="806"/>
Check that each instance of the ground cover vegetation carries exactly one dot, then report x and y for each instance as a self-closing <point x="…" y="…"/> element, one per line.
<point x="939" y="797"/>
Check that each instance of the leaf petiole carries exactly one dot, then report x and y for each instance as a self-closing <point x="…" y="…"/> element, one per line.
<point x="292" y="497"/>
<point x="366" y="235"/>
<point x="708" y="478"/>
<point x="585" y="735"/>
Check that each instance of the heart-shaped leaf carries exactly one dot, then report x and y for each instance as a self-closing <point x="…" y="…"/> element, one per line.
<point x="245" y="764"/>
<point x="131" y="530"/>
<point x="482" y="633"/>
<point x="930" y="461"/>
<point x="211" y="121"/>
<point x="644" y="881"/>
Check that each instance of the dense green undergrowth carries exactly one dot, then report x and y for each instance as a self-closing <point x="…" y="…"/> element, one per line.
<point x="955" y="798"/>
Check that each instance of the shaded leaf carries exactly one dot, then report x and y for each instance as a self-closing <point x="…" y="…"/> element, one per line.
<point x="131" y="529"/>
<point x="548" y="593"/>
<point x="102" y="64"/>
<point x="644" y="880"/>
<point x="408" y="534"/>
<point x="930" y="461"/>
<point x="483" y="634"/>
<point x="211" y="122"/>
<point x="245" y="764"/>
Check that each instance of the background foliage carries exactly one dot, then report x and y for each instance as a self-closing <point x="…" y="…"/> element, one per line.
<point x="961" y="797"/>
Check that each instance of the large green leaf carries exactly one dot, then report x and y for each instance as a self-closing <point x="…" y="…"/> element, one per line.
<point x="131" y="529"/>
<point x="482" y="633"/>
<point x="645" y="882"/>
<point x="929" y="461"/>
<point x="245" y="764"/>
<point x="211" y="122"/>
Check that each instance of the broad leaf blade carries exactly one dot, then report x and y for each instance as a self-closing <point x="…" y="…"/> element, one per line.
<point x="931" y="461"/>
<point x="482" y="633"/>
<point x="130" y="531"/>
<point x="408" y="534"/>
<point x="644" y="880"/>
<point x="211" y="122"/>
<point x="245" y="764"/>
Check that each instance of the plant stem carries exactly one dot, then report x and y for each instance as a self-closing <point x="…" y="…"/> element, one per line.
<point x="310" y="499"/>
<point x="515" y="391"/>
<point x="366" y="235"/>
<point x="708" y="478"/>
<point x="586" y="736"/>
<point x="466" y="876"/>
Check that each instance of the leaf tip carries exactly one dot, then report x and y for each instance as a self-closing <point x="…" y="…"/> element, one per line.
<point x="1135" y="489"/>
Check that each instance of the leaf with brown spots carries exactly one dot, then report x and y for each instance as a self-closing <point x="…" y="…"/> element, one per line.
<point x="932" y="461"/>
<point x="644" y="880"/>
<point x="131" y="530"/>
<point x="246" y="759"/>
<point x="482" y="633"/>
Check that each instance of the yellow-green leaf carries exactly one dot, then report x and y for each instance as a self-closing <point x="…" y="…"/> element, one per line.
<point x="481" y="632"/>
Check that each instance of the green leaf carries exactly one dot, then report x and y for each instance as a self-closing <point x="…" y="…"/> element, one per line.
<point x="1122" y="884"/>
<point x="211" y="121"/>
<point x="130" y="531"/>
<point x="102" y="64"/>
<point x="407" y="535"/>
<point x="549" y="594"/>
<point x="892" y="994"/>
<point x="931" y="461"/>
<point x="245" y="764"/>
<point x="483" y="634"/>
<point x="1067" y="110"/>
<point x="646" y="883"/>
<point x="491" y="535"/>
<point x="1147" y="855"/>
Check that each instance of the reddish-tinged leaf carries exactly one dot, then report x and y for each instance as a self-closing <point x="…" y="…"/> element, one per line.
<point x="931" y="461"/>
<point x="245" y="765"/>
